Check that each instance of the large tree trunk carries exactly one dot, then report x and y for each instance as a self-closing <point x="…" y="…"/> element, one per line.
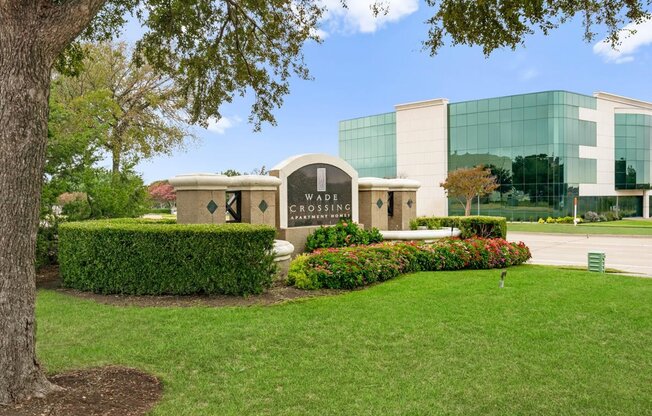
<point x="32" y="34"/>
<point x="467" y="207"/>
<point x="115" y="166"/>
<point x="24" y="89"/>
<point x="116" y="149"/>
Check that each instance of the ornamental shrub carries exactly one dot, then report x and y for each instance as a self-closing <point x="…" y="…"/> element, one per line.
<point x="472" y="226"/>
<point x="590" y="216"/>
<point x="350" y="267"/>
<point x="612" y="216"/>
<point x="47" y="240"/>
<point x="432" y="223"/>
<point x="343" y="234"/>
<point x="559" y="220"/>
<point x="300" y="275"/>
<point x="149" y="257"/>
<point x="75" y="206"/>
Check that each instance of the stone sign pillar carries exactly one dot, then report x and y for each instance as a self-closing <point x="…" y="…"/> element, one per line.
<point x="257" y="198"/>
<point x="404" y="204"/>
<point x="315" y="190"/>
<point x="201" y="198"/>
<point x="373" y="199"/>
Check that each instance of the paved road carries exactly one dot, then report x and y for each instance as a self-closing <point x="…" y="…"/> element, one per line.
<point x="632" y="254"/>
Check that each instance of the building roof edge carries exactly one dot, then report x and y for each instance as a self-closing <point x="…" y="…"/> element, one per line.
<point x="623" y="100"/>
<point x="421" y="104"/>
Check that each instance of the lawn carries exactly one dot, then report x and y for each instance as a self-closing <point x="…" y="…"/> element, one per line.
<point x="622" y="227"/>
<point x="551" y="342"/>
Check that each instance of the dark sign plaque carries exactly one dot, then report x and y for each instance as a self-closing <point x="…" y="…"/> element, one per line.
<point x="318" y="194"/>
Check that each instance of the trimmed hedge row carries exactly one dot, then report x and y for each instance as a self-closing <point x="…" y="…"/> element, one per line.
<point x="350" y="267"/>
<point x="159" y="211"/>
<point x="145" y="257"/>
<point x="473" y="226"/>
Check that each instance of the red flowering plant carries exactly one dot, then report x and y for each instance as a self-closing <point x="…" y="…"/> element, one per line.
<point x="350" y="267"/>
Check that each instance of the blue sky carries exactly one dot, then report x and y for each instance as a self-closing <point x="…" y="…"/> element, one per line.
<point x="366" y="66"/>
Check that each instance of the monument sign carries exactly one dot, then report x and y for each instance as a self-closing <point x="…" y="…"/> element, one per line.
<point x="316" y="190"/>
<point x="318" y="194"/>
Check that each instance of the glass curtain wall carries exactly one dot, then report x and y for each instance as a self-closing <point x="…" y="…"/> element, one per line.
<point x="531" y="144"/>
<point x="633" y="151"/>
<point x="369" y="144"/>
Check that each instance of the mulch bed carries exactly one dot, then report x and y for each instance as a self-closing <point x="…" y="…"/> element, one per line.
<point x="48" y="278"/>
<point x="106" y="391"/>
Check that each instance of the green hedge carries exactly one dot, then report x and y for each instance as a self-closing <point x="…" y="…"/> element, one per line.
<point x="146" y="257"/>
<point x="350" y="267"/>
<point x="473" y="226"/>
<point x="159" y="211"/>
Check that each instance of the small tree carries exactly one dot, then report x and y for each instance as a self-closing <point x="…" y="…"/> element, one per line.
<point x="230" y="172"/>
<point x="467" y="183"/>
<point x="260" y="171"/>
<point x="163" y="193"/>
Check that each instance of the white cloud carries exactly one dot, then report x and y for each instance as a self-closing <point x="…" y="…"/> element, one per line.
<point x="359" y="17"/>
<point x="528" y="74"/>
<point x="630" y="43"/>
<point x="220" y="126"/>
<point x="322" y="34"/>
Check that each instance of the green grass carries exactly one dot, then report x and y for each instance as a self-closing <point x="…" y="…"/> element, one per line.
<point x="622" y="227"/>
<point x="553" y="342"/>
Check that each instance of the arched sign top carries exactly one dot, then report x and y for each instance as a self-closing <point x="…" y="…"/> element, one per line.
<point x="289" y="165"/>
<point x="316" y="189"/>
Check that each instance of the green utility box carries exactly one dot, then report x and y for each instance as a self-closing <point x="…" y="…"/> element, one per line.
<point x="596" y="261"/>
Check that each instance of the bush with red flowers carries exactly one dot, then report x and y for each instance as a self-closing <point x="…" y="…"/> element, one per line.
<point x="350" y="267"/>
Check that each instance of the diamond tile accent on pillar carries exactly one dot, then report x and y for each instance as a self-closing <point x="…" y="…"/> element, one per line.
<point x="379" y="203"/>
<point x="263" y="205"/>
<point x="410" y="203"/>
<point x="212" y="206"/>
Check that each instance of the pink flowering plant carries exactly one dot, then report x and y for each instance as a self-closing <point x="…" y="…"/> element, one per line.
<point x="351" y="267"/>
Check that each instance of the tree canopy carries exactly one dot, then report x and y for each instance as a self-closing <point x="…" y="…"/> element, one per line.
<point x="132" y="111"/>
<point x="497" y="24"/>
<point x="214" y="50"/>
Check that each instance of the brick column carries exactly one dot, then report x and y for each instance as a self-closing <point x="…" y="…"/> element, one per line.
<point x="372" y="202"/>
<point x="201" y="198"/>
<point x="405" y="203"/>
<point x="258" y="194"/>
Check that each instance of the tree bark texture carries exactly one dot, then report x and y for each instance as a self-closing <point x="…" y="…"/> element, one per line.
<point x="115" y="159"/>
<point x="32" y="34"/>
<point x="24" y="88"/>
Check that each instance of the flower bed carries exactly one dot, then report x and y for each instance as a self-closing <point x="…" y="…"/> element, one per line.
<point x="350" y="267"/>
